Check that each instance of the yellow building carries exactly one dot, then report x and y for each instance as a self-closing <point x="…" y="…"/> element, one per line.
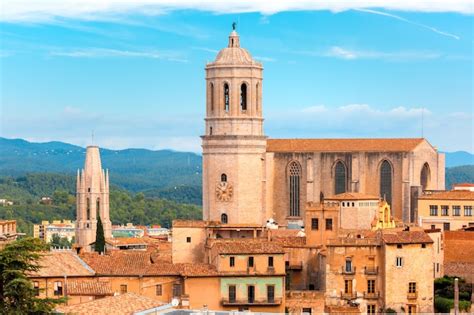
<point x="46" y="230"/>
<point x="448" y="210"/>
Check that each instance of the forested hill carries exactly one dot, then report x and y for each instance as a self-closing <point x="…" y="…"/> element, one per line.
<point x="132" y="169"/>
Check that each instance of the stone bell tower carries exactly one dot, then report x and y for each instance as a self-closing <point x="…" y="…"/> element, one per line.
<point x="92" y="199"/>
<point x="234" y="144"/>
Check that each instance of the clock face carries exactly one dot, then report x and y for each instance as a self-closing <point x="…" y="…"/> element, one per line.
<point x="224" y="191"/>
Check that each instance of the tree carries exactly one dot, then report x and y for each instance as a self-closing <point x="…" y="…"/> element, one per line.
<point x="99" y="237"/>
<point x="17" y="294"/>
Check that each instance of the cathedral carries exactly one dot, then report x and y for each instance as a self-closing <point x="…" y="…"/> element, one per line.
<point x="250" y="179"/>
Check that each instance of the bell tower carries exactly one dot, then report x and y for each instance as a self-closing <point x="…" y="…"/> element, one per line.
<point x="234" y="144"/>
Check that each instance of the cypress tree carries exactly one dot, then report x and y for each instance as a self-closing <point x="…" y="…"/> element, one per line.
<point x="99" y="237"/>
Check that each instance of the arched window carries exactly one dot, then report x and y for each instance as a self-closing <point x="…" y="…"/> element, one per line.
<point x="210" y="131"/>
<point x="340" y="178"/>
<point x="226" y="97"/>
<point x="294" y="172"/>
<point x="243" y="97"/>
<point x="256" y="96"/>
<point x="425" y="176"/>
<point x="223" y="178"/>
<point x="97" y="207"/>
<point x="223" y="218"/>
<point x="211" y="91"/>
<point x="88" y="209"/>
<point x="386" y="181"/>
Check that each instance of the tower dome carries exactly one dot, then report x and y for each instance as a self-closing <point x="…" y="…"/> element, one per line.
<point x="233" y="53"/>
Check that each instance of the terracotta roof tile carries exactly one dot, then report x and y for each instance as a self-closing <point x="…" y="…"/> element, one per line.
<point x="247" y="246"/>
<point x="118" y="241"/>
<point x="458" y="246"/>
<point x="291" y="241"/>
<point x="60" y="263"/>
<point x="352" y="196"/>
<point x="190" y="223"/>
<point x="406" y="237"/>
<point x="464" y="185"/>
<point x="343" y="145"/>
<point x="196" y="270"/>
<point x="460" y="269"/>
<point x="89" y="287"/>
<point x="128" y="303"/>
<point x="450" y="195"/>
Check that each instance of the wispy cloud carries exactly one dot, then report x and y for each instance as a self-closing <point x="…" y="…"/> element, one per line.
<point x="5" y="53"/>
<point x="264" y="59"/>
<point x="209" y="50"/>
<point x="37" y="11"/>
<point x="397" y="17"/>
<point x="106" y="52"/>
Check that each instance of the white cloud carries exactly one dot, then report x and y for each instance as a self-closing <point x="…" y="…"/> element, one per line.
<point x="351" y="54"/>
<point x="264" y="59"/>
<point x="315" y="109"/>
<point x="44" y="10"/>
<point x="105" y="52"/>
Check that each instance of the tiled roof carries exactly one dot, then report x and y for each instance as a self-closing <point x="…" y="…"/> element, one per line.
<point x="190" y="223"/>
<point x="352" y="196"/>
<point x="291" y="241"/>
<point x="464" y="185"/>
<point x="128" y="303"/>
<point x="460" y="269"/>
<point x="61" y="263"/>
<point x="89" y="287"/>
<point x="246" y="246"/>
<point x="128" y="263"/>
<point x="342" y="145"/>
<point x="459" y="246"/>
<point x="405" y="237"/>
<point x="450" y="195"/>
<point x="197" y="270"/>
<point x="121" y="241"/>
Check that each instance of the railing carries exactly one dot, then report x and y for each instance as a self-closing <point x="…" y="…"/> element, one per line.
<point x="412" y="295"/>
<point x="371" y="295"/>
<point x="371" y="270"/>
<point x="348" y="296"/>
<point x="227" y="302"/>
<point x="352" y="271"/>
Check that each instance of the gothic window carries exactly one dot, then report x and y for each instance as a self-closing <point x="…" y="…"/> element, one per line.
<point x="224" y="218"/>
<point x="210" y="131"/>
<point x="211" y="91"/>
<point x="340" y="178"/>
<point x="386" y="181"/>
<point x="256" y="95"/>
<point x="97" y="207"/>
<point x="88" y="209"/>
<point x="226" y="97"/>
<point x="425" y="176"/>
<point x="243" y="97"/>
<point x="223" y="178"/>
<point x="294" y="172"/>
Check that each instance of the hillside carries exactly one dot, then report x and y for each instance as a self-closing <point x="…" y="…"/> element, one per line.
<point x="459" y="174"/>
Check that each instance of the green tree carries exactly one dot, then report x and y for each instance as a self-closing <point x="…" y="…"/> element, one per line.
<point x="17" y="294"/>
<point x="99" y="237"/>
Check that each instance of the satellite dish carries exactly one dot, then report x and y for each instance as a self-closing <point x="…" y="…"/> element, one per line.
<point x="174" y="302"/>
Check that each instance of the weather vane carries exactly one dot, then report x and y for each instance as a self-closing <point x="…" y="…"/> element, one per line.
<point x="234" y="25"/>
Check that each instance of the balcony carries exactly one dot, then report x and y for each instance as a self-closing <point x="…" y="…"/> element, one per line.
<point x="256" y="302"/>
<point x="371" y="270"/>
<point x="352" y="271"/>
<point x="371" y="295"/>
<point x="412" y="295"/>
<point x="348" y="296"/>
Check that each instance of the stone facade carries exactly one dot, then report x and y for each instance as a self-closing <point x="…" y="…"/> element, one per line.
<point x="92" y="200"/>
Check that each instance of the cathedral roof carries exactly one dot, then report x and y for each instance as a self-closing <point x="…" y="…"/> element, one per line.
<point x="343" y="145"/>
<point x="233" y="54"/>
<point x="353" y="196"/>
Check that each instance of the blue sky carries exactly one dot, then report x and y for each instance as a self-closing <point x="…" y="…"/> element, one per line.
<point x="135" y="73"/>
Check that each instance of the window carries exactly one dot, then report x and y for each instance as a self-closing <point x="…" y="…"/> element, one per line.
<point x="446" y="226"/>
<point x="232" y="293"/>
<point x="340" y="178"/>
<point x="423" y="245"/>
<point x="433" y="210"/>
<point x="412" y="287"/>
<point x="88" y="205"/>
<point x="468" y="211"/>
<point x="444" y="210"/>
<point x="210" y="131"/>
<point x="223" y="218"/>
<point x="386" y="181"/>
<point x="159" y="290"/>
<point x="211" y="92"/>
<point x="58" y="288"/>
<point x="411" y="309"/>
<point x="456" y="211"/>
<point x="370" y="286"/>
<point x="97" y="207"/>
<point x="433" y="226"/>
<point x="223" y="178"/>
<point x="306" y="310"/>
<point x="188" y="239"/>
<point x="256" y="96"/>
<point x="232" y="261"/>
<point x="348" y="286"/>
<point x="371" y="308"/>
<point x="348" y="265"/>
<point x="226" y="97"/>
<point x="270" y="293"/>
<point x="314" y="224"/>
<point x="270" y="261"/>
<point x="250" y="261"/>
<point x="36" y="287"/>
<point x="329" y="224"/>
<point x="251" y="293"/>
<point x="176" y="290"/>
<point x="425" y="176"/>
<point x="294" y="171"/>
<point x="399" y="246"/>
<point x="243" y="97"/>
<point x="123" y="288"/>
<point x="399" y="262"/>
